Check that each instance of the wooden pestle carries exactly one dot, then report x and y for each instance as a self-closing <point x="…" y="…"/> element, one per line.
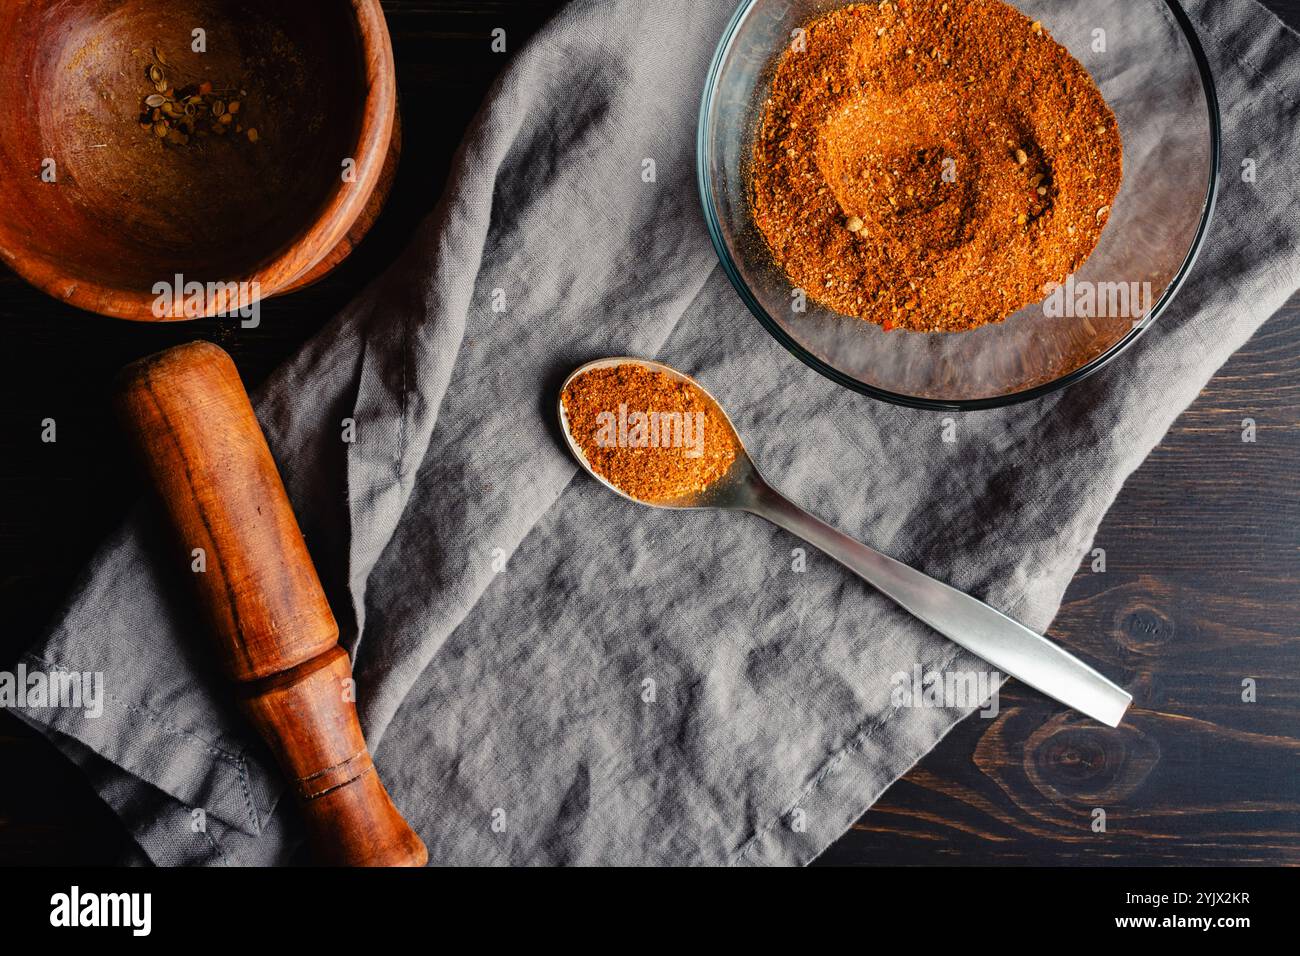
<point x="205" y="454"/>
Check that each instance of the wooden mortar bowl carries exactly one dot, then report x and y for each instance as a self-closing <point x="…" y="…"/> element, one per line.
<point x="127" y="210"/>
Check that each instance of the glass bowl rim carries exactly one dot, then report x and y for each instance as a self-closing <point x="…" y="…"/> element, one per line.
<point x="704" y="184"/>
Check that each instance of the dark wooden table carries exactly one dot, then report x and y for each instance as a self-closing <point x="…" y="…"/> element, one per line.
<point x="1202" y="579"/>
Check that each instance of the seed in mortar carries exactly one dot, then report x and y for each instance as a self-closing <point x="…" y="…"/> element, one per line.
<point x="197" y="109"/>
<point x="651" y="436"/>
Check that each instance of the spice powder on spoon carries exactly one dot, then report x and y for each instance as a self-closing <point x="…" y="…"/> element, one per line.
<point x="932" y="165"/>
<point x="652" y="436"/>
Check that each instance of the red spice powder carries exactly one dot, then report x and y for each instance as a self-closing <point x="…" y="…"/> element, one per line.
<point x="655" y="438"/>
<point x="932" y="165"/>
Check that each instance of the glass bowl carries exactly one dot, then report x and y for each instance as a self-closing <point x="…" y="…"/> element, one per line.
<point x="1154" y="75"/>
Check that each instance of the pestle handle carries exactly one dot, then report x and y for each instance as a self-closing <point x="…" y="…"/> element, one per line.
<point x="206" y="456"/>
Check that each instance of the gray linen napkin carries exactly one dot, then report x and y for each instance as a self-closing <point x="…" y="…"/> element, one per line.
<point x="506" y="618"/>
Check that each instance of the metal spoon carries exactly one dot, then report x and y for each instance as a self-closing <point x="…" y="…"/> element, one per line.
<point x="1010" y="647"/>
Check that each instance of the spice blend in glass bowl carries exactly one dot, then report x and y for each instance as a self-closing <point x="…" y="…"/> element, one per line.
<point x="653" y="437"/>
<point x="932" y="165"/>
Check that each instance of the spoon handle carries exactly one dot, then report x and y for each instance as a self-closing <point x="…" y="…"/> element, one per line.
<point x="1011" y="647"/>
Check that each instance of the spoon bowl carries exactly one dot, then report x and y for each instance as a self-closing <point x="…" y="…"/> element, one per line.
<point x="737" y="488"/>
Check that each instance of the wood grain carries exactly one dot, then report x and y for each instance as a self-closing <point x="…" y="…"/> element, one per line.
<point x="1203" y="577"/>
